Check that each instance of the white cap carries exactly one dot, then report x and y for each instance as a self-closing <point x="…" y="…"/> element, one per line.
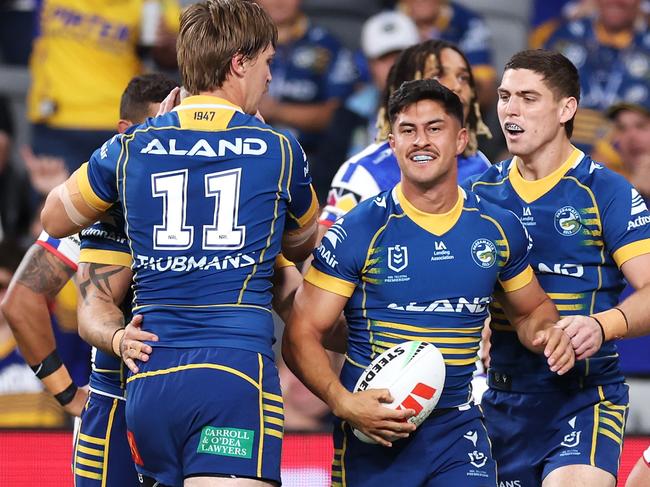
<point x="387" y="32"/>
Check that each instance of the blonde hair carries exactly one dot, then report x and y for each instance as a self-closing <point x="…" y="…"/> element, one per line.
<point x="214" y="31"/>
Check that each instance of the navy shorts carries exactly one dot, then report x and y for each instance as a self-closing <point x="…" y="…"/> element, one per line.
<point x="535" y="433"/>
<point x="101" y="451"/>
<point x="205" y="412"/>
<point x="448" y="449"/>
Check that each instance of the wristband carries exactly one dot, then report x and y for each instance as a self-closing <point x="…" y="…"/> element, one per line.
<point x="602" y="330"/>
<point x="613" y="322"/>
<point x="119" y="352"/>
<point x="66" y="396"/>
<point x="48" y="366"/>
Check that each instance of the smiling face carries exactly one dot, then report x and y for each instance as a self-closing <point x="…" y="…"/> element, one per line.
<point x="530" y="115"/>
<point x="426" y="141"/>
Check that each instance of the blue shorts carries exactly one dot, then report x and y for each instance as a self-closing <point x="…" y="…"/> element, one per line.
<point x="101" y="451"/>
<point x="205" y="412"/>
<point x="448" y="449"/>
<point x="535" y="433"/>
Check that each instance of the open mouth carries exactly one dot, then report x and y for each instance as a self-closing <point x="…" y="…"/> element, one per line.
<point x="421" y="158"/>
<point x="513" y="128"/>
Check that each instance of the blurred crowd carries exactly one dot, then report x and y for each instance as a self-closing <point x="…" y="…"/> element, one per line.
<point x="329" y="72"/>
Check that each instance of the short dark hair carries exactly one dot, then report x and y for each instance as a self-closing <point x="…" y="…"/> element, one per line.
<point x="559" y="74"/>
<point x="140" y="92"/>
<point x="424" y="89"/>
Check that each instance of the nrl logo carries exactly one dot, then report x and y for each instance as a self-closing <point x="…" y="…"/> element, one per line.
<point x="398" y="258"/>
<point x="477" y="459"/>
<point x="571" y="440"/>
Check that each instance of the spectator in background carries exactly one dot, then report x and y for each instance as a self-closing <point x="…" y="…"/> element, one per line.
<point x="312" y="76"/>
<point x="611" y="49"/>
<point x="383" y="37"/>
<point x="15" y="213"/>
<point x="631" y="137"/>
<point x="442" y="19"/>
<point x="83" y="57"/>
<point x="16" y="30"/>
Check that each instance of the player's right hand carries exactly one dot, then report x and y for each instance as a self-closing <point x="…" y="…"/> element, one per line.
<point x="365" y="411"/>
<point x="557" y="349"/>
<point x="132" y="346"/>
<point x="170" y="101"/>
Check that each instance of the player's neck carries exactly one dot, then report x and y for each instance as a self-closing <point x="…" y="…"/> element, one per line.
<point x="228" y="93"/>
<point x="292" y="29"/>
<point x="545" y="160"/>
<point x="435" y="200"/>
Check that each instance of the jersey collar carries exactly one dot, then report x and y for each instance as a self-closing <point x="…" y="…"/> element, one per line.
<point x="529" y="191"/>
<point x="437" y="224"/>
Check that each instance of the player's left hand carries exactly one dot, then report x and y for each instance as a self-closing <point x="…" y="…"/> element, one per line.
<point x="557" y="349"/>
<point x="132" y="346"/>
<point x="585" y="333"/>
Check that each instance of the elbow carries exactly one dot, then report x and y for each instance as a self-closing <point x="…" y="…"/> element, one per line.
<point x="50" y="224"/>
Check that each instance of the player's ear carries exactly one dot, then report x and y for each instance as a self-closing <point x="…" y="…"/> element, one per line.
<point x="122" y="125"/>
<point x="568" y="109"/>
<point x="238" y="64"/>
<point x="461" y="140"/>
<point x="391" y="141"/>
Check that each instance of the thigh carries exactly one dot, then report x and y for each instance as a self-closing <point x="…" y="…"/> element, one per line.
<point x="589" y="429"/>
<point x="510" y="428"/>
<point x="450" y="449"/>
<point x="211" y="412"/>
<point x="101" y="452"/>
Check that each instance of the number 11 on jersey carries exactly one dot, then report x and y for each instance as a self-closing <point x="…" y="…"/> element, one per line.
<point x="174" y="233"/>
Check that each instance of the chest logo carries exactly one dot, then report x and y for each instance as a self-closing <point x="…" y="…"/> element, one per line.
<point x="398" y="258"/>
<point x="484" y="253"/>
<point x="567" y="221"/>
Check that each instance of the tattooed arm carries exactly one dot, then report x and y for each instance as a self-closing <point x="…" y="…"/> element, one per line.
<point x="102" y="289"/>
<point x="39" y="278"/>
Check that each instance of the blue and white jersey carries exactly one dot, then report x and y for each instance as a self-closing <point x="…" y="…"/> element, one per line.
<point x="207" y="192"/>
<point x="585" y="222"/>
<point x="410" y="275"/>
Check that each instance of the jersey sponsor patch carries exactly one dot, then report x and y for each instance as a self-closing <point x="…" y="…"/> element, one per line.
<point x="227" y="442"/>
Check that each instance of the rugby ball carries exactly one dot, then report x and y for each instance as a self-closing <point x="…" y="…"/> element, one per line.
<point x="413" y="372"/>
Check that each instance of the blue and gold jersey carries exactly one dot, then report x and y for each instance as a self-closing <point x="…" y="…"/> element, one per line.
<point x="106" y="243"/>
<point x="207" y="192"/>
<point x="416" y="276"/>
<point x="585" y="222"/>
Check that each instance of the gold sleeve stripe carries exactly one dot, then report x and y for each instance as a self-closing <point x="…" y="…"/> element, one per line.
<point x="631" y="250"/>
<point x="281" y="261"/>
<point x="108" y="257"/>
<point x="519" y="281"/>
<point x="311" y="212"/>
<point x="330" y="283"/>
<point x="87" y="192"/>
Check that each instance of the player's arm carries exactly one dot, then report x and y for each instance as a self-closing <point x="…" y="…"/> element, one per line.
<point x="315" y="312"/>
<point x="39" y="278"/>
<point x="533" y="315"/>
<point x="631" y="318"/>
<point x="286" y="281"/>
<point x="66" y="211"/>
<point x="86" y="195"/>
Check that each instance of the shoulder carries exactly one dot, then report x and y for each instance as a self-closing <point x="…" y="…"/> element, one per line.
<point x="494" y="174"/>
<point x="320" y="35"/>
<point x="602" y="182"/>
<point x="358" y="171"/>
